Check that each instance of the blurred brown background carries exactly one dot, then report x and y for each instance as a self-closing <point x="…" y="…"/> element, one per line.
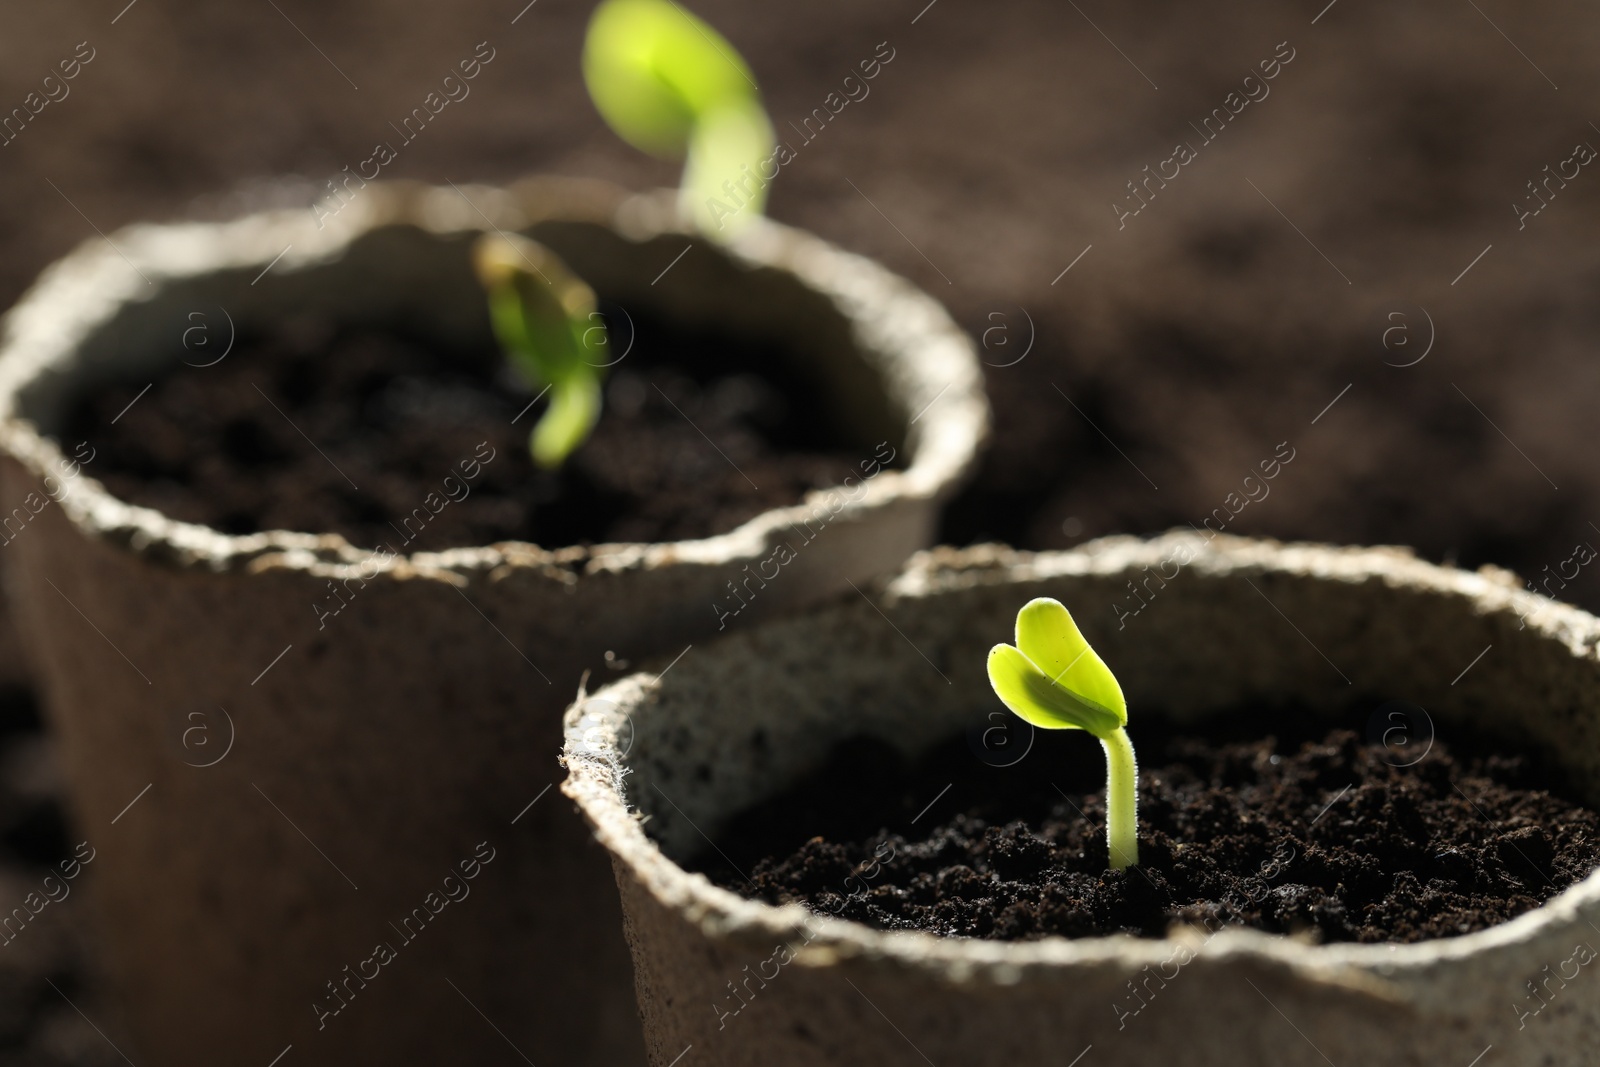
<point x="1176" y="353"/>
<point x="984" y="160"/>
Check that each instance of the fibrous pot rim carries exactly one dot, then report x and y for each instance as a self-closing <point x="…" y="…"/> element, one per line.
<point x="928" y="355"/>
<point x="598" y="769"/>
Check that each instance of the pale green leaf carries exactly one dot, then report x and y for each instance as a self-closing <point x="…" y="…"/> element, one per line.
<point x="654" y="70"/>
<point x="671" y="85"/>
<point x="1034" y="698"/>
<point x="541" y="312"/>
<point x="1047" y="635"/>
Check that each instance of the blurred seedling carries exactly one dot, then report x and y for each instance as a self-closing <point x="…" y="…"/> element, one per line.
<point x="545" y="319"/>
<point x="1054" y="680"/>
<point x="670" y="85"/>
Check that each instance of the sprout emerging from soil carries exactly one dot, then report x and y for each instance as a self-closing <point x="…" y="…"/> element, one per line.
<point x="1054" y="680"/>
<point x="544" y="318"/>
<point x="670" y="85"/>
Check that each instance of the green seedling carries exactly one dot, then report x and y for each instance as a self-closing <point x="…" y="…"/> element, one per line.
<point x="545" y="320"/>
<point x="1052" y="679"/>
<point x="670" y="85"/>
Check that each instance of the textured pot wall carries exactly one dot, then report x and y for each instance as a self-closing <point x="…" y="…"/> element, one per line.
<point x="372" y="756"/>
<point x="396" y="741"/>
<point x="831" y="1011"/>
<point x="1240" y="621"/>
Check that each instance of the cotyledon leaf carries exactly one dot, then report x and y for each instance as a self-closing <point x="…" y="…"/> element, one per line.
<point x="1036" y="699"/>
<point x="1047" y="635"/>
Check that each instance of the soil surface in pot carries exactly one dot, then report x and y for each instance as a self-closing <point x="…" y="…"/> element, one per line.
<point x="1311" y="832"/>
<point x="390" y="442"/>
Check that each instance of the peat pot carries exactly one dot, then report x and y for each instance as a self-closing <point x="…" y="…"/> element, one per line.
<point x="269" y="799"/>
<point x="658" y="766"/>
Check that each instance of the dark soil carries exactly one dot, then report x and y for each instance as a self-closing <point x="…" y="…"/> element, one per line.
<point x="390" y="442"/>
<point x="1325" y="838"/>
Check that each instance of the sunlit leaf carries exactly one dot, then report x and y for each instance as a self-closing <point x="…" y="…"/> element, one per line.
<point x="672" y="86"/>
<point x="1047" y="635"/>
<point x="653" y="69"/>
<point x="541" y="313"/>
<point x="1052" y="679"/>
<point x="1035" y="698"/>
